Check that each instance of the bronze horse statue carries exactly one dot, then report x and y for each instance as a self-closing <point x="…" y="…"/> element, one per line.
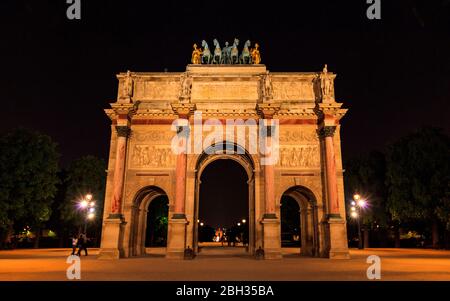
<point x="234" y="52"/>
<point x="206" y="53"/>
<point x="245" y="57"/>
<point x="217" y="57"/>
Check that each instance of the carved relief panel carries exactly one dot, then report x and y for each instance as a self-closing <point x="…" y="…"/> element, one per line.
<point x="151" y="149"/>
<point x="293" y="90"/>
<point x="149" y="156"/>
<point x="293" y="136"/>
<point x="302" y="156"/>
<point x="157" y="90"/>
<point x="299" y="147"/>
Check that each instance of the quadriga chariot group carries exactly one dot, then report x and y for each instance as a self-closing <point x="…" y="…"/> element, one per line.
<point x="229" y="54"/>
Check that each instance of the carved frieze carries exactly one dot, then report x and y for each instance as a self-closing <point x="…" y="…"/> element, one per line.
<point x="153" y="136"/>
<point x="157" y="90"/>
<point x="149" y="156"/>
<point x="296" y="136"/>
<point x="304" y="156"/>
<point x="293" y="90"/>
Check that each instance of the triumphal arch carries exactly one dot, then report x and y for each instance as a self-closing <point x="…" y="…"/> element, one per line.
<point x="283" y="128"/>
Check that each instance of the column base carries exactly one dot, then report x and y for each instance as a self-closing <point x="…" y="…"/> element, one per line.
<point x="338" y="246"/>
<point x="176" y="241"/>
<point x="271" y="237"/>
<point x="112" y="238"/>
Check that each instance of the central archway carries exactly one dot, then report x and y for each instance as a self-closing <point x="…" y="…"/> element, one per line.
<point x="213" y="158"/>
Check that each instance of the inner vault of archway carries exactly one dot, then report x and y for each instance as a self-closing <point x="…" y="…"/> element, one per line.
<point x="223" y="193"/>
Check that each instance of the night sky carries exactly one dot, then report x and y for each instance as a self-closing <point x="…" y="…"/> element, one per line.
<point x="223" y="194"/>
<point x="58" y="74"/>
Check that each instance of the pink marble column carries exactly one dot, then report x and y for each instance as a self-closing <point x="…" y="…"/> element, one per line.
<point x="180" y="171"/>
<point x="119" y="169"/>
<point x="269" y="179"/>
<point x="328" y="132"/>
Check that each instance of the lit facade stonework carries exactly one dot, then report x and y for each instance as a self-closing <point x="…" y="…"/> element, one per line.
<point x="143" y="166"/>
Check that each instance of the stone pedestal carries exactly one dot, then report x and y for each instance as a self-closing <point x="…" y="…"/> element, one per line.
<point x="176" y="240"/>
<point x="272" y="238"/>
<point x="338" y="238"/>
<point x="111" y="238"/>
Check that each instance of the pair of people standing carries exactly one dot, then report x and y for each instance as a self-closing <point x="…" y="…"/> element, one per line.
<point x="79" y="242"/>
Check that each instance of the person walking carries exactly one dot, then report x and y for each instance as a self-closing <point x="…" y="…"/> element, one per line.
<point x="82" y="241"/>
<point x="74" y="244"/>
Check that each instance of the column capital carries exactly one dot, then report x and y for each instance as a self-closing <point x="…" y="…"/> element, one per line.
<point x="327" y="131"/>
<point x="330" y="111"/>
<point x="124" y="110"/>
<point x="183" y="110"/>
<point x="267" y="110"/>
<point x="123" y="131"/>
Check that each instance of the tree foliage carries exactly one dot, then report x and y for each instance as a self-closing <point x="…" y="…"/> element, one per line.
<point x="85" y="175"/>
<point x="366" y="175"/>
<point x="418" y="176"/>
<point x="28" y="178"/>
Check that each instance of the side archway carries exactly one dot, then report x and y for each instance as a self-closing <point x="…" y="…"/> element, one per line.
<point x="139" y="217"/>
<point x="309" y="225"/>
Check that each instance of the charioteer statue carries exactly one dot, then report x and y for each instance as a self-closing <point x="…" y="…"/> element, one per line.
<point x="226" y="55"/>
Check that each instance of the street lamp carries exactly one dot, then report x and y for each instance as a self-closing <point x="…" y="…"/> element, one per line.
<point x="239" y="224"/>
<point x="83" y="204"/>
<point x="244" y="221"/>
<point x="88" y="205"/>
<point x="357" y="205"/>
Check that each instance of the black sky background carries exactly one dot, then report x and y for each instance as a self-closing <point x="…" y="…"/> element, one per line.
<point x="223" y="194"/>
<point x="58" y="74"/>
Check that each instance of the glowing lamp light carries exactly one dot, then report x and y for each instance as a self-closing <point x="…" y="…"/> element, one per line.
<point x="361" y="203"/>
<point x="239" y="224"/>
<point x="91" y="204"/>
<point x="91" y="210"/>
<point x="356" y="196"/>
<point x="354" y="214"/>
<point x="88" y="196"/>
<point x="83" y="204"/>
<point x="202" y="224"/>
<point x="91" y="215"/>
<point x="244" y="221"/>
<point x="353" y="203"/>
<point x="353" y="209"/>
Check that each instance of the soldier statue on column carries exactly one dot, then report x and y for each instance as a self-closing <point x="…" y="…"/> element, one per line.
<point x="326" y="84"/>
<point x="267" y="86"/>
<point x="186" y="85"/>
<point x="128" y="86"/>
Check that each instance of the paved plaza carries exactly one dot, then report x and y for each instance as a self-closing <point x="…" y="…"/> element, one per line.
<point x="227" y="264"/>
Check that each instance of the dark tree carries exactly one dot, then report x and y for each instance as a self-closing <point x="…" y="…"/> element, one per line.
<point x="157" y="222"/>
<point x="366" y="175"/>
<point x="28" y="178"/>
<point x="418" y="177"/>
<point x="85" y="175"/>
